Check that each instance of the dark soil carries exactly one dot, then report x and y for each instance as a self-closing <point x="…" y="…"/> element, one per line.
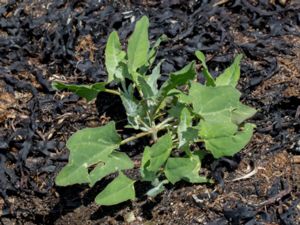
<point x="41" y="41"/>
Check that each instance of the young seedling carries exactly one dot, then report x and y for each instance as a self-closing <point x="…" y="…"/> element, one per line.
<point x="174" y="118"/>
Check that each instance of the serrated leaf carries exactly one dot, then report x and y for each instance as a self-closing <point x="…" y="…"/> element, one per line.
<point x="116" y="161"/>
<point x="209" y="78"/>
<point x="155" y="156"/>
<point x="231" y="75"/>
<point x="89" y="92"/>
<point x="119" y="190"/>
<point x="87" y="147"/>
<point x="229" y="145"/>
<point x="138" y="45"/>
<point x="187" y="169"/>
<point x="113" y="55"/>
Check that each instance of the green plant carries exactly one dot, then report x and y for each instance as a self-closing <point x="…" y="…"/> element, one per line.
<point x="177" y="116"/>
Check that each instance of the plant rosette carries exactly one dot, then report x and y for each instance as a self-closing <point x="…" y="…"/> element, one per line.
<point x="175" y="118"/>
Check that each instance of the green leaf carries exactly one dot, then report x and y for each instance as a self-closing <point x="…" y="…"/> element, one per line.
<point x="209" y="78"/>
<point x="145" y="87"/>
<point x="221" y="114"/>
<point x="158" y="188"/>
<point x="72" y="174"/>
<point x="153" y="50"/>
<point x="153" y="78"/>
<point x="231" y="75"/>
<point x="113" y="55"/>
<point x="218" y="124"/>
<point x="138" y="45"/>
<point x="184" y="123"/>
<point x="89" y="92"/>
<point x="88" y="147"/>
<point x="207" y="100"/>
<point x="229" y="145"/>
<point x="155" y="156"/>
<point x="178" y="78"/>
<point x="119" y="190"/>
<point x="241" y="113"/>
<point x="116" y="161"/>
<point x="187" y="169"/>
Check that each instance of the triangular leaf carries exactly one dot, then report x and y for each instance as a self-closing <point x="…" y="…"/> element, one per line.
<point x="155" y="156"/>
<point x="88" y="147"/>
<point x="119" y="190"/>
<point x="116" y="161"/>
<point x="231" y="75"/>
<point x="187" y="169"/>
<point x="89" y="92"/>
<point x="231" y="144"/>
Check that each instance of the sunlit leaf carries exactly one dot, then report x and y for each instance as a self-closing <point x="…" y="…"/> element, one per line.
<point x="116" y="161"/>
<point x="119" y="190"/>
<point x="187" y="169"/>
<point x="138" y="45"/>
<point x="209" y="78"/>
<point x="231" y="75"/>
<point x="88" y="147"/>
<point x="89" y="92"/>
<point x="113" y="55"/>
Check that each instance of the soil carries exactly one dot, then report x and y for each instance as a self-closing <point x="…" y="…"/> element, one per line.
<point x="42" y="41"/>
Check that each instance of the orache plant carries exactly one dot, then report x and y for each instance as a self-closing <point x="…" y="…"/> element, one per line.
<point x="178" y="115"/>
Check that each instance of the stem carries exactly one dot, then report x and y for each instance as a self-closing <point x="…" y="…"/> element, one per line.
<point x="112" y="91"/>
<point x="152" y="130"/>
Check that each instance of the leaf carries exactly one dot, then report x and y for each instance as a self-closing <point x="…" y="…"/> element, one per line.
<point x="119" y="190"/>
<point x="89" y="92"/>
<point x="113" y="55"/>
<point x="218" y="124"/>
<point x="178" y="78"/>
<point x="184" y="123"/>
<point x="153" y="50"/>
<point x="187" y="169"/>
<point x="231" y="75"/>
<point x="206" y="100"/>
<point x="138" y="45"/>
<point x="72" y="174"/>
<point x="116" y="161"/>
<point x="241" y="113"/>
<point x="209" y="78"/>
<point x="87" y="147"/>
<point x="155" y="156"/>
<point x="157" y="189"/>
<point x="229" y="145"/>
<point x="221" y="113"/>
<point x="153" y="78"/>
<point x="145" y="87"/>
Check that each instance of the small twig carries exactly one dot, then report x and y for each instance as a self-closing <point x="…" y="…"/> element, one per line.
<point x="248" y="175"/>
<point x="274" y="199"/>
<point x="221" y="2"/>
<point x="296" y="159"/>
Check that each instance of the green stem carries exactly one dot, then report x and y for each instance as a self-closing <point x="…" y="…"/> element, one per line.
<point x="112" y="91"/>
<point x="152" y="130"/>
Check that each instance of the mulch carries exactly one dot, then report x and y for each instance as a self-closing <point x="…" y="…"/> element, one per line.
<point x="42" y="41"/>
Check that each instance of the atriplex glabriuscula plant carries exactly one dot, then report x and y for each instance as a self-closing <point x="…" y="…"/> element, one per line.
<point x="174" y="118"/>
